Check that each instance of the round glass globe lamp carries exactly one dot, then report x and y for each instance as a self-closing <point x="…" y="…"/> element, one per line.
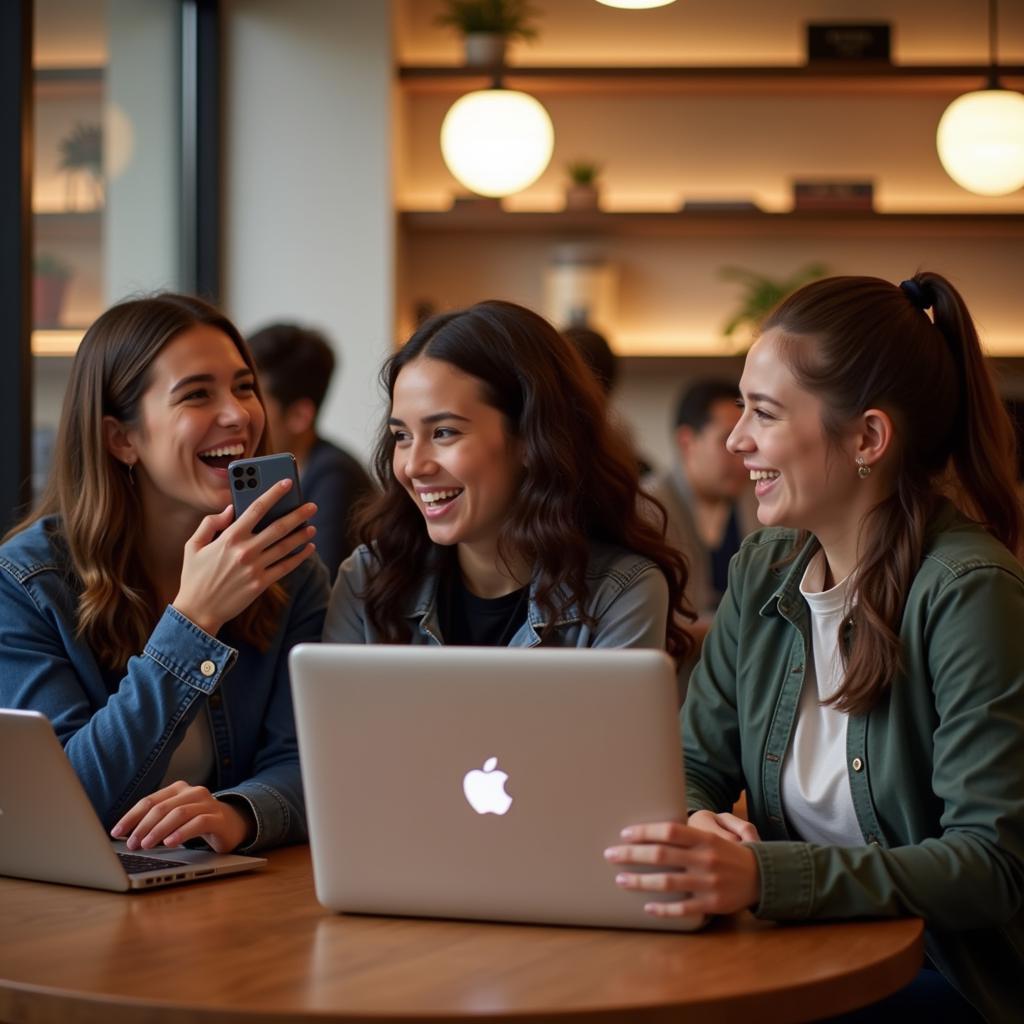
<point x="980" y="140"/>
<point x="497" y="141"/>
<point x="636" y="5"/>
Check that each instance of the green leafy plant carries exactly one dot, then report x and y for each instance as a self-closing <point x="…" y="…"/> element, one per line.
<point x="762" y="294"/>
<point x="82" y="148"/>
<point x="509" y="18"/>
<point x="583" y="172"/>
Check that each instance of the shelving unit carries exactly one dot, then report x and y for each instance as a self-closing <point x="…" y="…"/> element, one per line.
<point x="713" y="224"/>
<point x="824" y="78"/>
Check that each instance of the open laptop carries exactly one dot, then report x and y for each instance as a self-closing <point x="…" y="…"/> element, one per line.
<point x="49" y="830"/>
<point x="485" y="782"/>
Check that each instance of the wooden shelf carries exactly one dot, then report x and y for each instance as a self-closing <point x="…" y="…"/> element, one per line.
<point x="52" y="229"/>
<point x="860" y="78"/>
<point x="745" y="224"/>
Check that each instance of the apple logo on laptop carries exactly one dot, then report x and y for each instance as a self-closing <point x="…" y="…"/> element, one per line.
<point x="485" y="790"/>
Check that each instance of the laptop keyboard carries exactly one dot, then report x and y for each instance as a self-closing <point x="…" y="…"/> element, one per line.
<point x="135" y="864"/>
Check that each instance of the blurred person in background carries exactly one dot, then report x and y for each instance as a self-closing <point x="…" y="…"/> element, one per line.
<point x="295" y="365"/>
<point x="706" y="493"/>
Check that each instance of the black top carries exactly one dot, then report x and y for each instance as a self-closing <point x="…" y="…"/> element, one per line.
<point x="722" y="555"/>
<point x="470" y="621"/>
<point x="335" y="481"/>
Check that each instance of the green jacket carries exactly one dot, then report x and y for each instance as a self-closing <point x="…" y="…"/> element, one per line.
<point x="936" y="768"/>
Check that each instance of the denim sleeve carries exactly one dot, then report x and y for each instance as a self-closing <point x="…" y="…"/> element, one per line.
<point x="972" y="875"/>
<point x="274" y="793"/>
<point x="346" y="614"/>
<point x="636" y="615"/>
<point x="117" y="742"/>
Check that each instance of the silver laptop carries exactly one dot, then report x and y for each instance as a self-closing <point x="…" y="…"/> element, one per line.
<point x="484" y="782"/>
<point x="49" y="830"/>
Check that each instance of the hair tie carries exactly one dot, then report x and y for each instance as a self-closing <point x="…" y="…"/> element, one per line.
<point x="920" y="295"/>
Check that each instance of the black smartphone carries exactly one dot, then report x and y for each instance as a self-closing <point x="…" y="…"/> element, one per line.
<point x="249" y="478"/>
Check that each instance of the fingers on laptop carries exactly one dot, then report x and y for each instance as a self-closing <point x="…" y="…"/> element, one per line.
<point x="716" y="875"/>
<point x="180" y="812"/>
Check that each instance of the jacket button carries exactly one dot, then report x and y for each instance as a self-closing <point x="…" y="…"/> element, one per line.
<point x="208" y="668"/>
<point x="858" y="764"/>
<point x="226" y="761"/>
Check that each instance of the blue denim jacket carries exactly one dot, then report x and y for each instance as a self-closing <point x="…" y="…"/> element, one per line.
<point x="119" y="728"/>
<point x="627" y="601"/>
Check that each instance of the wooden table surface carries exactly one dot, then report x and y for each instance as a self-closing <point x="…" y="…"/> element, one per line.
<point x="260" y="948"/>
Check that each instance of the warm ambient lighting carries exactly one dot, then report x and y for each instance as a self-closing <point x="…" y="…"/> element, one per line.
<point x="981" y="141"/>
<point x="981" y="135"/>
<point x="497" y="141"/>
<point x="636" y="5"/>
<point x="56" y="343"/>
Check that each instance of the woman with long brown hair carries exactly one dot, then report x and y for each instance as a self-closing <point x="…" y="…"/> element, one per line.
<point x="138" y="615"/>
<point x="508" y="513"/>
<point x="864" y="678"/>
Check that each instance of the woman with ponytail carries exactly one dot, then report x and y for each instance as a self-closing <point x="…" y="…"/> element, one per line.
<point x="864" y="678"/>
<point x="149" y="625"/>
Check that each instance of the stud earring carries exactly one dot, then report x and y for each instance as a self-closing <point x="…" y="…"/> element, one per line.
<point x="863" y="469"/>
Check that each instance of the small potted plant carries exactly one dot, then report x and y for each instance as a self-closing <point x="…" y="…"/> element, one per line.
<point x="487" y="26"/>
<point x="82" y="150"/>
<point x="763" y="294"/>
<point x="582" y="192"/>
<point x="50" y="277"/>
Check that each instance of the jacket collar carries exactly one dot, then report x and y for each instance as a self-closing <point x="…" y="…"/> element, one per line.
<point x="422" y="604"/>
<point x="786" y="601"/>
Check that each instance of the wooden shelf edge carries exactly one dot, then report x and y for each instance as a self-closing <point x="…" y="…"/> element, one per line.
<point x="838" y="76"/>
<point x="846" y="223"/>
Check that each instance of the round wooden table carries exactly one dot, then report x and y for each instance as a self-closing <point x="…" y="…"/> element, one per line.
<point x="260" y="948"/>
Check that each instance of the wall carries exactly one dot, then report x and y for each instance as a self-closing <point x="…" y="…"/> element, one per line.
<point x="658" y="148"/>
<point x="308" y="222"/>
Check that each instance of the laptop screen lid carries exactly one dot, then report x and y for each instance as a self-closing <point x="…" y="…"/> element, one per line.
<point x="49" y="830"/>
<point x="484" y="782"/>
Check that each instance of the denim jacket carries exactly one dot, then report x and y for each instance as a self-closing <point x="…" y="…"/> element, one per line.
<point x="936" y="768"/>
<point x="627" y="601"/>
<point x="119" y="728"/>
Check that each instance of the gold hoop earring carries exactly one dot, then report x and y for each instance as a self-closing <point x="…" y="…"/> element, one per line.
<point x="863" y="469"/>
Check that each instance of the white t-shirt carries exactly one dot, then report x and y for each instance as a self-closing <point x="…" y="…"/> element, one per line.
<point x="816" y="795"/>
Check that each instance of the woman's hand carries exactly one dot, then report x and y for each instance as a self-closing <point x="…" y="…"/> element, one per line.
<point x="180" y="812"/>
<point x="728" y="826"/>
<point x="222" y="575"/>
<point x="712" y="874"/>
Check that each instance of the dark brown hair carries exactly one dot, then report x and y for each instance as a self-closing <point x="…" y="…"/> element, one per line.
<point x="99" y="510"/>
<point x="580" y="484"/>
<point x="860" y="343"/>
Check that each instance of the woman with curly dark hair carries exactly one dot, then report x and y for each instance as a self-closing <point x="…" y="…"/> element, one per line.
<point x="509" y="506"/>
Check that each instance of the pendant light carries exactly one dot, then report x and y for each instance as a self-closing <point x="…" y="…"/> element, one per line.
<point x="497" y="141"/>
<point x="636" y="5"/>
<point x="980" y="138"/>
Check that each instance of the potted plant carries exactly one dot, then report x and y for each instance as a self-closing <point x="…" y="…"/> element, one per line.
<point x="50" y="279"/>
<point x="762" y="295"/>
<point x="82" y="150"/>
<point x="582" y="191"/>
<point x="488" y="25"/>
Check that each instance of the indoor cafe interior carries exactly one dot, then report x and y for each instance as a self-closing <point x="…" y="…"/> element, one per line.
<point x="660" y="173"/>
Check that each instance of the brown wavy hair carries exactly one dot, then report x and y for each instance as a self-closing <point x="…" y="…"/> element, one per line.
<point x="581" y="479"/>
<point x="860" y="343"/>
<point x="100" y="516"/>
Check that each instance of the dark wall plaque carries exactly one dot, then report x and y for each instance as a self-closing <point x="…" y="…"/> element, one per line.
<point x="848" y="42"/>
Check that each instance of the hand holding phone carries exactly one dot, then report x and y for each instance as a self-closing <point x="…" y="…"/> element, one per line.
<point x="250" y="478"/>
<point x="236" y="554"/>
